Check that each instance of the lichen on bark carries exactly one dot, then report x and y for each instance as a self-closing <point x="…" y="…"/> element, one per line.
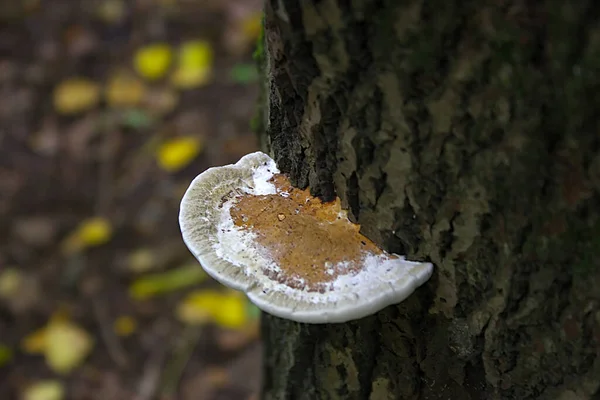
<point x="464" y="133"/>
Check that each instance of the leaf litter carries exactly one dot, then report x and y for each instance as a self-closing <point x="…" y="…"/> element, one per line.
<point x="100" y="137"/>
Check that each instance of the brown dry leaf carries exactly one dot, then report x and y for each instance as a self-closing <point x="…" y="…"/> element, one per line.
<point x="79" y="135"/>
<point x="79" y="40"/>
<point x="161" y="101"/>
<point x="35" y="230"/>
<point x="141" y="260"/>
<point x="46" y="141"/>
<point x="204" y="385"/>
<point x="217" y="376"/>
<point x="124" y="90"/>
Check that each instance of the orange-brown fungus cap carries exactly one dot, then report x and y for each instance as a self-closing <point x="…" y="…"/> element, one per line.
<point x="312" y="242"/>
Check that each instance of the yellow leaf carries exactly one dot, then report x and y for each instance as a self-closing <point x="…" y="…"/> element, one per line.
<point x="95" y="231"/>
<point x="153" y="61"/>
<point x="11" y="280"/>
<point x="194" y="65"/>
<point x="76" y="95"/>
<point x="67" y="345"/>
<point x="165" y="282"/>
<point x="228" y="310"/>
<point x="45" y="390"/>
<point x="176" y="153"/>
<point x="35" y="342"/>
<point x="198" y="307"/>
<point x="190" y="78"/>
<point x="6" y="355"/>
<point x="124" y="90"/>
<point x="124" y="325"/>
<point x="91" y="232"/>
<point x="196" y="54"/>
<point x="232" y="312"/>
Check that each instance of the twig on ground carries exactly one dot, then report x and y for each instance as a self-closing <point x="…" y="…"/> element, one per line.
<point x="113" y="345"/>
<point x="182" y="352"/>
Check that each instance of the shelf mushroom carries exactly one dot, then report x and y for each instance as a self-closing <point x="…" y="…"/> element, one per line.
<point x="294" y="256"/>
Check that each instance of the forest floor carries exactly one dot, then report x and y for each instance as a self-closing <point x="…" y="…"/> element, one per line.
<point x="108" y="109"/>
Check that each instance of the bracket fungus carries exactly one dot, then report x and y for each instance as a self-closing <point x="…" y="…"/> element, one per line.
<point x="294" y="256"/>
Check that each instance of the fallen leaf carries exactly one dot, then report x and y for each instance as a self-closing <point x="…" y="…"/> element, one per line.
<point x="124" y="325"/>
<point x="11" y="281"/>
<point x="79" y="40"/>
<point x="35" y="230"/>
<point x="194" y="67"/>
<point x="94" y="231"/>
<point x="232" y="312"/>
<point x="225" y="309"/>
<point x="111" y="11"/>
<point x="197" y="308"/>
<point x="190" y="78"/>
<point x="35" y="342"/>
<point x="174" y="154"/>
<point x="76" y="95"/>
<point x="91" y="232"/>
<point x="169" y="281"/>
<point x="141" y="260"/>
<point x="45" y="390"/>
<point x="217" y="376"/>
<point x="161" y="101"/>
<point x="153" y="61"/>
<point x="20" y="291"/>
<point x="124" y="90"/>
<point x="66" y="346"/>
<point x="47" y="140"/>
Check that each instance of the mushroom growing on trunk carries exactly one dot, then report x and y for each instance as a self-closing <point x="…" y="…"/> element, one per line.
<point x="294" y="256"/>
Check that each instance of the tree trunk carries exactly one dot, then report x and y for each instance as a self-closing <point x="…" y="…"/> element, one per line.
<point x="460" y="132"/>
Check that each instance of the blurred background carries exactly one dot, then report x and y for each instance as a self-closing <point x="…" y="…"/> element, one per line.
<point x="108" y="109"/>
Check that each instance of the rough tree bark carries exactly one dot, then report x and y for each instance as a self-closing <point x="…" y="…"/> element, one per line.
<point x="461" y="132"/>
